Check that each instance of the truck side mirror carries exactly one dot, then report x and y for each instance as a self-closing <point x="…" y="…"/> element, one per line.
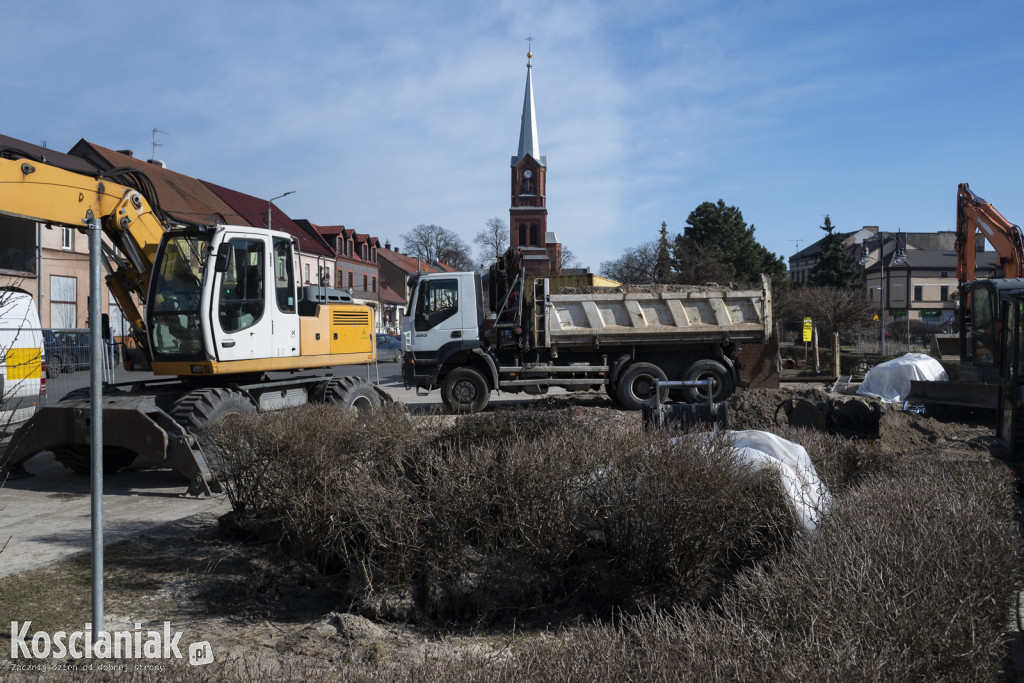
<point x="105" y="326"/>
<point x="223" y="258"/>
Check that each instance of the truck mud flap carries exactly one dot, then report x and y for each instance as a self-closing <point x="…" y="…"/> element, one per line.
<point x="135" y="423"/>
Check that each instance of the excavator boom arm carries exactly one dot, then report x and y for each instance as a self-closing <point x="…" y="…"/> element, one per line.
<point x="44" y="193"/>
<point x="973" y="214"/>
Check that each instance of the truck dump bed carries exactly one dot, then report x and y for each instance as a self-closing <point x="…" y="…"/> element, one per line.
<point x="658" y="314"/>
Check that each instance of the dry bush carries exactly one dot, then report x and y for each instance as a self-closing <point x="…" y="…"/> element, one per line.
<point x="839" y="462"/>
<point x="911" y="576"/>
<point x="502" y="513"/>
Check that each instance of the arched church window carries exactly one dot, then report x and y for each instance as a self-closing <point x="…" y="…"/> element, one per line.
<point x="533" y="234"/>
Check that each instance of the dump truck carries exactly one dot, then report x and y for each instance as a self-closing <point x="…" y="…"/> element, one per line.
<point x="540" y="333"/>
<point x="213" y="309"/>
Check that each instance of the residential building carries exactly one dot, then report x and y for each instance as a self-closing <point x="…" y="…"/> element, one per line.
<point x="316" y="258"/>
<point x="357" y="270"/>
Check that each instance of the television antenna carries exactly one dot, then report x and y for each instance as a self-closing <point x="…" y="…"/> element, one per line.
<point x="798" y="243"/>
<point x="155" y="143"/>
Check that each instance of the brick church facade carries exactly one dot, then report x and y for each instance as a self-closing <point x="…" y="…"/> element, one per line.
<point x="528" y="215"/>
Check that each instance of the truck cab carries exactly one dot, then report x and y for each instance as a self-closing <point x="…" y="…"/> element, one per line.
<point x="444" y="324"/>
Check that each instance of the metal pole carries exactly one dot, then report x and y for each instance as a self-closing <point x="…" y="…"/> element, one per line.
<point x="96" y="421"/>
<point x="881" y="290"/>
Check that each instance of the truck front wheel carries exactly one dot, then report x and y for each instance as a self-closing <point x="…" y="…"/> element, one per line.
<point x="721" y="381"/>
<point x="636" y="386"/>
<point x="465" y="390"/>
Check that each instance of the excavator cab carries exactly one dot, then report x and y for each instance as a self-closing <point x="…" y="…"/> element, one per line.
<point x="175" y="297"/>
<point x="222" y="295"/>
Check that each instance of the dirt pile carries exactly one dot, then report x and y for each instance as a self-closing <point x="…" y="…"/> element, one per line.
<point x="899" y="431"/>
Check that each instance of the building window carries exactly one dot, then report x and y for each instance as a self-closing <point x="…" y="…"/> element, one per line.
<point x="67" y="238"/>
<point x="522" y="235"/>
<point x="350" y="279"/>
<point x="897" y="291"/>
<point x="944" y="293"/>
<point x="364" y="284"/>
<point x="374" y="280"/>
<point x="944" y="273"/>
<point x="307" y="273"/>
<point x="918" y="293"/>
<point x="63" y="301"/>
<point x="533" y="234"/>
<point x="340" y="279"/>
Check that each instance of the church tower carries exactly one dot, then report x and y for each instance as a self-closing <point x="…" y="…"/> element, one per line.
<point x="528" y="216"/>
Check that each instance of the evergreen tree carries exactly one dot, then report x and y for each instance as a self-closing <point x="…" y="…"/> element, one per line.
<point x="663" y="266"/>
<point x="720" y="227"/>
<point x="836" y="266"/>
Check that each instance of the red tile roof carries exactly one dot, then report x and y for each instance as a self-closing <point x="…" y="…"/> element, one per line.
<point x="182" y="197"/>
<point x="254" y="210"/>
<point x="389" y="296"/>
<point x="48" y="156"/>
<point x="406" y="263"/>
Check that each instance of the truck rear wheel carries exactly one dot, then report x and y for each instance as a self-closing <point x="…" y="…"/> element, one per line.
<point x="465" y="390"/>
<point x="203" y="406"/>
<point x="351" y="392"/>
<point x="636" y="385"/>
<point x="721" y="378"/>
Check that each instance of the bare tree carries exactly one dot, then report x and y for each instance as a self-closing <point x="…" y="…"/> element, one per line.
<point x="833" y="309"/>
<point x="493" y="240"/>
<point x="569" y="259"/>
<point x="432" y="243"/>
<point x="636" y="266"/>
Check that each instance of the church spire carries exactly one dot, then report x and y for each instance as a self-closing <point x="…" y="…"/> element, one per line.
<point x="528" y="141"/>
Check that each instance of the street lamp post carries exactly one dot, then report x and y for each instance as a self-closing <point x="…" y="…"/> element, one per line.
<point x="897" y="258"/>
<point x="270" y="203"/>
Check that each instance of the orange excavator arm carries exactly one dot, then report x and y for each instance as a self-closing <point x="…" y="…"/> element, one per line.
<point x="973" y="214"/>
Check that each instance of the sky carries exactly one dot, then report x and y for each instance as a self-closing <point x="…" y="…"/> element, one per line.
<point x="388" y="114"/>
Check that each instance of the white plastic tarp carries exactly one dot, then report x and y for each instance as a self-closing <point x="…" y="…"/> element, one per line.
<point x="890" y="381"/>
<point x="807" y="496"/>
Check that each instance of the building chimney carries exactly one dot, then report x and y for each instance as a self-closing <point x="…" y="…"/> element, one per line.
<point x="126" y="152"/>
<point x="156" y="162"/>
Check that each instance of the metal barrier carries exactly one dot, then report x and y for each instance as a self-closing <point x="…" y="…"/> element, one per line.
<point x="68" y="361"/>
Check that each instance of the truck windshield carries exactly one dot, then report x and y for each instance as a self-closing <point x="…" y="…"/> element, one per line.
<point x="174" y="303"/>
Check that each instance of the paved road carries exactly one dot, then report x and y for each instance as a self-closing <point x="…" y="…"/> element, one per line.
<point x="46" y="516"/>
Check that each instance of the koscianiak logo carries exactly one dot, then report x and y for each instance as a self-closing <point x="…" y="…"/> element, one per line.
<point x="136" y="644"/>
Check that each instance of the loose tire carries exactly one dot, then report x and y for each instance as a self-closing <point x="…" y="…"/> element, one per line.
<point x="636" y="385"/>
<point x="465" y="390"/>
<point x="722" y="386"/>
<point x="351" y="392"/>
<point x="203" y="406"/>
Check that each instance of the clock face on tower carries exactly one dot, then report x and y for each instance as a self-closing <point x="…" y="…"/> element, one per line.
<point x="527" y="173"/>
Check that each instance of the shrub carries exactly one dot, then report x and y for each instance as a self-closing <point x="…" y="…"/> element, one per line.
<point x="501" y="513"/>
<point x="911" y="576"/>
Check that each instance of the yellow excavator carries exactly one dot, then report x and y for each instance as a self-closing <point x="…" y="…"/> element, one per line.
<point x="212" y="309"/>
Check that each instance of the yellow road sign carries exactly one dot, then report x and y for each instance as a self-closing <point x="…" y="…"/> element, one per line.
<point x="807" y="329"/>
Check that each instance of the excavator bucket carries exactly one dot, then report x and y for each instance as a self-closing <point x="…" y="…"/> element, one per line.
<point x="960" y="394"/>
